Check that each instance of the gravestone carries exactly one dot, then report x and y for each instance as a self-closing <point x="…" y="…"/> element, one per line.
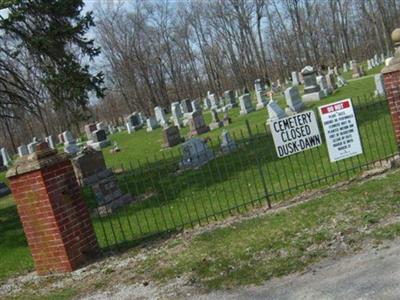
<point x="4" y="190"/>
<point x="341" y="80"/>
<point x="134" y="122"/>
<point x="336" y="71"/>
<point x="196" y="105"/>
<point x="330" y="79"/>
<point x="227" y="143"/>
<point x="323" y="84"/>
<point x="176" y="110"/>
<point x="295" y="78"/>
<point x="226" y="120"/>
<point x="186" y="106"/>
<point x="90" y="169"/>
<point x="260" y="94"/>
<point x="274" y="111"/>
<point x="197" y="124"/>
<point x="357" y="72"/>
<point x="32" y="147"/>
<point x="5" y="157"/>
<point x="382" y="58"/>
<point x="380" y="86"/>
<point x="216" y="123"/>
<point x="345" y="67"/>
<point x="214" y="100"/>
<point x="206" y="103"/>
<point x="99" y="140"/>
<point x="171" y="137"/>
<point x="151" y="124"/>
<point x="49" y="140"/>
<point x="230" y="99"/>
<point x="312" y="91"/>
<point x="195" y="154"/>
<point x="70" y="145"/>
<point x="293" y="99"/>
<point x="22" y="150"/>
<point x="60" y="138"/>
<point x="245" y="104"/>
<point x="102" y="125"/>
<point x="369" y="64"/>
<point x="142" y="118"/>
<point x="160" y="116"/>
<point x="89" y="128"/>
<point x="2" y="166"/>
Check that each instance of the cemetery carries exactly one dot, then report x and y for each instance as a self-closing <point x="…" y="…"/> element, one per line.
<point x="108" y="177"/>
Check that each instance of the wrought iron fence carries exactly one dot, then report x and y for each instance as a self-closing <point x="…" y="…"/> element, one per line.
<point x="167" y="198"/>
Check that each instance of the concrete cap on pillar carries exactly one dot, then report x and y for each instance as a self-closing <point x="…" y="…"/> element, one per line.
<point x="394" y="64"/>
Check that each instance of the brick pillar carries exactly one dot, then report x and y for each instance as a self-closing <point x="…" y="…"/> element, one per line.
<point x="391" y="77"/>
<point x="53" y="214"/>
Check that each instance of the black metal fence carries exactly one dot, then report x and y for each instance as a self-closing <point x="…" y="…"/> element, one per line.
<point x="167" y="198"/>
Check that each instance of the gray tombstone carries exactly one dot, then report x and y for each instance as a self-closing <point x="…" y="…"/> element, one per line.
<point x="151" y="124"/>
<point x="227" y="143"/>
<point x="195" y="154"/>
<point x="369" y="64"/>
<point x="196" y="105"/>
<point x="50" y="142"/>
<point x="245" y="104"/>
<point x="261" y="99"/>
<point x="6" y="157"/>
<point x="102" y="125"/>
<point x="214" y="100"/>
<point x="70" y="145"/>
<point x="99" y="140"/>
<point x="357" y="72"/>
<point x="32" y="147"/>
<point x="323" y="84"/>
<point x="345" y="67"/>
<point x="176" y="110"/>
<point x="274" y="111"/>
<point x="216" y="123"/>
<point x="312" y="91"/>
<point x="341" y="80"/>
<point x="330" y="79"/>
<point x="293" y="99"/>
<point x="186" y="106"/>
<point x="22" y="150"/>
<point x="142" y="118"/>
<point x="206" y="103"/>
<point x="134" y="122"/>
<point x="230" y="99"/>
<point x="295" y="78"/>
<point x="160" y="116"/>
<point x="380" y="85"/>
<point x="258" y="85"/>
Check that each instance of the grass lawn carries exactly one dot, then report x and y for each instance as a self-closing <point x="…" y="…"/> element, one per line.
<point x="228" y="185"/>
<point x="258" y="249"/>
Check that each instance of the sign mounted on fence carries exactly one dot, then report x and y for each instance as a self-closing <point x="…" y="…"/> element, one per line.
<point x="341" y="131"/>
<point x="295" y="133"/>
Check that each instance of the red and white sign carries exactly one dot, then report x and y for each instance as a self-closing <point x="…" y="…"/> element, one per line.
<point x="341" y="131"/>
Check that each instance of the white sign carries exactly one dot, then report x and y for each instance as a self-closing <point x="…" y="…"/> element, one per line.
<point x="295" y="133"/>
<point x="341" y="131"/>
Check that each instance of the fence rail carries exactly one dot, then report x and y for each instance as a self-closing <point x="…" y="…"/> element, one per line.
<point x="168" y="199"/>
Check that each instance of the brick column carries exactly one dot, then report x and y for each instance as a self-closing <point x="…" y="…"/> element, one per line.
<point x="53" y="214"/>
<point x="391" y="77"/>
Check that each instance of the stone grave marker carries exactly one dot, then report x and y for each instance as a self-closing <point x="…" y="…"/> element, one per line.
<point x="323" y="84"/>
<point x="90" y="169"/>
<point x="345" y="67"/>
<point x="176" y="110"/>
<point x="245" y="104"/>
<point x="230" y="99"/>
<point x="89" y="128"/>
<point x="357" y="72"/>
<point x="227" y="143"/>
<point x="216" y="123"/>
<point x="160" y="116"/>
<point x="293" y="99"/>
<point x="260" y="94"/>
<point x="195" y="154"/>
<point x="295" y="78"/>
<point x="151" y="124"/>
<point x="226" y="120"/>
<point x="312" y="91"/>
<point x="330" y="79"/>
<point x="49" y="140"/>
<point x="134" y="122"/>
<point x="5" y="157"/>
<point x="379" y="84"/>
<point x="196" y="105"/>
<point x="99" y="140"/>
<point x="274" y="111"/>
<point x="197" y="124"/>
<point x="186" y="106"/>
<point x="171" y="137"/>
<point x="70" y="145"/>
<point x="23" y="150"/>
<point x="32" y="147"/>
<point x="206" y="103"/>
<point x="214" y="100"/>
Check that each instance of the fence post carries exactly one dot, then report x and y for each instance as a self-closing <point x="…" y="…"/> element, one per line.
<point x="391" y="77"/>
<point x="53" y="214"/>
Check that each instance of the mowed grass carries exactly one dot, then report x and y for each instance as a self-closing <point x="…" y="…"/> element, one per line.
<point x="255" y="250"/>
<point x="244" y="179"/>
<point x="229" y="184"/>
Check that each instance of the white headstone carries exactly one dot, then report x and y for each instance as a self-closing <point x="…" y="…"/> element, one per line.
<point x="295" y="78"/>
<point x="32" y="147"/>
<point x="151" y="124"/>
<point x="275" y="111"/>
<point x="312" y="91"/>
<point x="176" y="110"/>
<point x="70" y="145"/>
<point x="160" y="116"/>
<point x="380" y="86"/>
<point x="6" y="157"/>
<point x="345" y="67"/>
<point x="323" y="84"/>
<point x="227" y="143"/>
